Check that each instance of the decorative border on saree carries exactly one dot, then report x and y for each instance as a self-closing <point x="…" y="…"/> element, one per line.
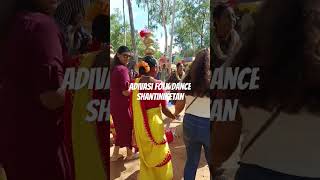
<point x="146" y="123"/>
<point x="147" y="127"/>
<point x="166" y="160"/>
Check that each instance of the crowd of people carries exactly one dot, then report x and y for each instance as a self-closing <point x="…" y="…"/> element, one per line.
<point x="139" y="124"/>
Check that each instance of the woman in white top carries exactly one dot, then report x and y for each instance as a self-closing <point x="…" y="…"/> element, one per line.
<point x="280" y="121"/>
<point x="196" y="122"/>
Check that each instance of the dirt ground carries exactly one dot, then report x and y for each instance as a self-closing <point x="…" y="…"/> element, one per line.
<point x="128" y="170"/>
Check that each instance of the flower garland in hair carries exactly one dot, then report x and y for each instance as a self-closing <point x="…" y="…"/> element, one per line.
<point x="144" y="65"/>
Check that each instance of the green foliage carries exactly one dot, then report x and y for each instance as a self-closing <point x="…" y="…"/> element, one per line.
<point x="157" y="55"/>
<point x="117" y="34"/>
<point x="192" y="25"/>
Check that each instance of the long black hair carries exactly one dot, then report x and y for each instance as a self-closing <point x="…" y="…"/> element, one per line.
<point x="100" y="28"/>
<point x="151" y="61"/>
<point x="199" y="75"/>
<point x="116" y="60"/>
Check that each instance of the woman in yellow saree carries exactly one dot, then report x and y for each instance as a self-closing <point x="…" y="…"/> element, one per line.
<point x="155" y="156"/>
<point x="87" y="142"/>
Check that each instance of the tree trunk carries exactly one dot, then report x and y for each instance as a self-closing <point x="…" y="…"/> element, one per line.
<point x="133" y="40"/>
<point x="172" y="31"/>
<point x="124" y="24"/>
<point x="192" y="42"/>
<point x="165" y="40"/>
<point x="164" y="27"/>
<point x="148" y="14"/>
<point x="202" y="30"/>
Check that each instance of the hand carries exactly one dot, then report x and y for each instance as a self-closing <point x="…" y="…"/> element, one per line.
<point x="178" y="117"/>
<point x="126" y="93"/>
<point x="52" y="99"/>
<point x="174" y="117"/>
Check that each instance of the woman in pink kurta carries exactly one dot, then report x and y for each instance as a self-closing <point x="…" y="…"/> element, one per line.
<point x="119" y="103"/>
<point x="31" y="127"/>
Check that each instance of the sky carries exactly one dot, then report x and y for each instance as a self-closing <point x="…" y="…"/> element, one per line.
<point x="140" y="18"/>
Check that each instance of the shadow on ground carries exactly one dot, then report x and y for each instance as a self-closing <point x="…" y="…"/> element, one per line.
<point x="116" y="168"/>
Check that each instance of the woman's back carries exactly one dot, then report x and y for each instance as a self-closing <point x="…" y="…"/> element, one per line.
<point x="152" y="103"/>
<point x="200" y="106"/>
<point x="290" y="145"/>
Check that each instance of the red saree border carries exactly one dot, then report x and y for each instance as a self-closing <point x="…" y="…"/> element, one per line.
<point x="146" y="124"/>
<point x="166" y="160"/>
<point x="67" y="120"/>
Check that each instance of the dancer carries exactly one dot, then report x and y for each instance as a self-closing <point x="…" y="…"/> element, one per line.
<point x="155" y="157"/>
<point x="31" y="128"/>
<point x="119" y="103"/>
<point x="196" y="122"/>
<point x="88" y="138"/>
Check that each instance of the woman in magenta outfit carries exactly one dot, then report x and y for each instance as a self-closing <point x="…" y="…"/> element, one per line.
<point x="119" y="103"/>
<point x="31" y="129"/>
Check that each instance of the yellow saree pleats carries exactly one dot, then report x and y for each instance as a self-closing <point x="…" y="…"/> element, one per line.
<point x="155" y="157"/>
<point x="87" y="157"/>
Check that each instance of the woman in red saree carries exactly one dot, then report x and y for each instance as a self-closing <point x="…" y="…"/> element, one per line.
<point x="155" y="156"/>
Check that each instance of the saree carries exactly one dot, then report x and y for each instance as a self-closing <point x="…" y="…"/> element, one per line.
<point x="154" y="152"/>
<point x="87" y="140"/>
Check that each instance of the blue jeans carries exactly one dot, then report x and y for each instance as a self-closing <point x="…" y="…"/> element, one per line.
<point x="196" y="134"/>
<point x="253" y="172"/>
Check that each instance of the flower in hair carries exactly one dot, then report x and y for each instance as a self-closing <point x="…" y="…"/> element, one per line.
<point x="144" y="65"/>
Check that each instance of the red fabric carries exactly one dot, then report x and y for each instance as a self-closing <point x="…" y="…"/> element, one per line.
<point x="94" y="46"/>
<point x="68" y="105"/>
<point x="103" y="130"/>
<point x="169" y="136"/>
<point x="119" y="106"/>
<point x="232" y="3"/>
<point x="31" y="135"/>
<point x="154" y="103"/>
<point x="68" y="130"/>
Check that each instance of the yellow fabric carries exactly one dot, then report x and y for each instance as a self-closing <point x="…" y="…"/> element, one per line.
<point x="87" y="156"/>
<point x="2" y="174"/>
<point x="112" y="129"/>
<point x="151" y="154"/>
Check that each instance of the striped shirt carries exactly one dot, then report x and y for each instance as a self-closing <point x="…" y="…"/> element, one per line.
<point x="67" y="7"/>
